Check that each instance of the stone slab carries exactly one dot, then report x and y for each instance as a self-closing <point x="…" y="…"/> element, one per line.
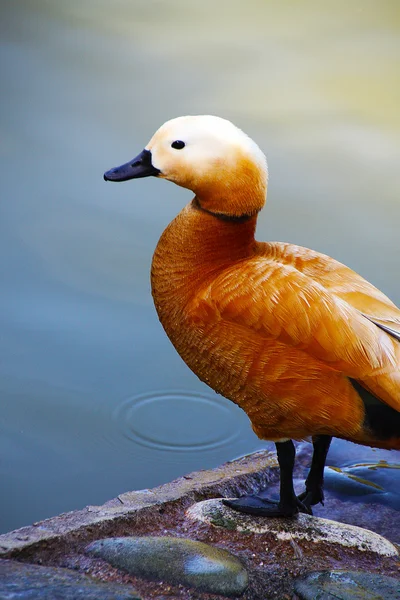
<point x="242" y="476"/>
<point x="302" y="527"/>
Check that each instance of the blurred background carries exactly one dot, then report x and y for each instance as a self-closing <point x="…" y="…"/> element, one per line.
<point x="94" y="399"/>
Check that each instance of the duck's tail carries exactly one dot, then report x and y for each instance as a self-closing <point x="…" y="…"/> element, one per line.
<point x="382" y="422"/>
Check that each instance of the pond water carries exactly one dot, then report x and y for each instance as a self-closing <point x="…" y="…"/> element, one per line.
<point x="94" y="400"/>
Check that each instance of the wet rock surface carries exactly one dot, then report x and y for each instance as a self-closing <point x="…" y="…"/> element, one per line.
<point x="303" y="527"/>
<point x="242" y="476"/>
<point x="374" y="483"/>
<point x="175" y="561"/>
<point x="347" y="585"/>
<point x="30" y="582"/>
<point x="364" y="493"/>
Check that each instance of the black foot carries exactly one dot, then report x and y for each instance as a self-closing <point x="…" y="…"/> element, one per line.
<point x="314" y="492"/>
<point x="262" y="507"/>
<point x="301" y="501"/>
<point x="313" y="496"/>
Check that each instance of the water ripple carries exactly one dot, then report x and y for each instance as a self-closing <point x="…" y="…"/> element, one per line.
<point x="177" y="420"/>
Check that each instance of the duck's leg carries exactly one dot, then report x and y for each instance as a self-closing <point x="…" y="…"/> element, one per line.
<point x="288" y="505"/>
<point x="314" y="492"/>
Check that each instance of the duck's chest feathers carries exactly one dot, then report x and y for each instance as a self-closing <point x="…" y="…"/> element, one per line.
<point x="193" y="250"/>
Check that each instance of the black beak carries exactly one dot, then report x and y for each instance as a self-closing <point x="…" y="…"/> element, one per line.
<point x="140" y="166"/>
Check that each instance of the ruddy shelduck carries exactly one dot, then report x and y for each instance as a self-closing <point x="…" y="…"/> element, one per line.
<point x="303" y="344"/>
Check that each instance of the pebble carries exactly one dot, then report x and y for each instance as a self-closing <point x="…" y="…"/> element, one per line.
<point x="347" y="585"/>
<point x="20" y="581"/>
<point x="175" y="561"/>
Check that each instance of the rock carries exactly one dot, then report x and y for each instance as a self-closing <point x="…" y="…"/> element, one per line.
<point x="362" y="486"/>
<point x="304" y="527"/>
<point x="371" y="483"/>
<point x="347" y="585"/>
<point x="20" y="581"/>
<point x="244" y="475"/>
<point x="175" y="561"/>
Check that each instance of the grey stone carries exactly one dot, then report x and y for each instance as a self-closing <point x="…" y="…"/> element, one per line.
<point x="176" y="561"/>
<point x="303" y="527"/>
<point x="20" y="581"/>
<point x="347" y="585"/>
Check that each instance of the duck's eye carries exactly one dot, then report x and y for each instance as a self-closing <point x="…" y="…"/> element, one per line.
<point x="178" y="145"/>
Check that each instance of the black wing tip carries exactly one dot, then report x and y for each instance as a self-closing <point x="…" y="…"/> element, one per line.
<point x="381" y="420"/>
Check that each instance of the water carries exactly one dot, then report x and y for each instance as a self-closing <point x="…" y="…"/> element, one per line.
<point x="94" y="400"/>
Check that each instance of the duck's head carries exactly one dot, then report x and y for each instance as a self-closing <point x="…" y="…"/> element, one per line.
<point x="208" y="155"/>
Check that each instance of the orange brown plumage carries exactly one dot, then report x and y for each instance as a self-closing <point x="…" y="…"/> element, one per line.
<point x="260" y="325"/>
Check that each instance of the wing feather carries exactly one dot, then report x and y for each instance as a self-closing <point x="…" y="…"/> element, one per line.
<point x="341" y="281"/>
<point x="383" y="324"/>
<point x="277" y="299"/>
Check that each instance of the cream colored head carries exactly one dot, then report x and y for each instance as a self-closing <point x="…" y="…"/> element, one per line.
<point x="210" y="156"/>
<point x="223" y="166"/>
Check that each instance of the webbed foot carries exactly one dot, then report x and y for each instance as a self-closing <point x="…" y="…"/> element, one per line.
<point x="263" y="507"/>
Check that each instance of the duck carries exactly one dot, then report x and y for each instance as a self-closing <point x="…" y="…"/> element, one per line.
<point x="308" y="348"/>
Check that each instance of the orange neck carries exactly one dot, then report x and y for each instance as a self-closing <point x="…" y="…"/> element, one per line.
<point x="194" y="247"/>
<point x="234" y="193"/>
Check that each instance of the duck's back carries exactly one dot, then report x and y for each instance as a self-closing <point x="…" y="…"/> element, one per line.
<point x="339" y="280"/>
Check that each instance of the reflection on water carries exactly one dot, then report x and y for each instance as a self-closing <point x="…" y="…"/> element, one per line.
<point x="84" y="85"/>
<point x="376" y="482"/>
